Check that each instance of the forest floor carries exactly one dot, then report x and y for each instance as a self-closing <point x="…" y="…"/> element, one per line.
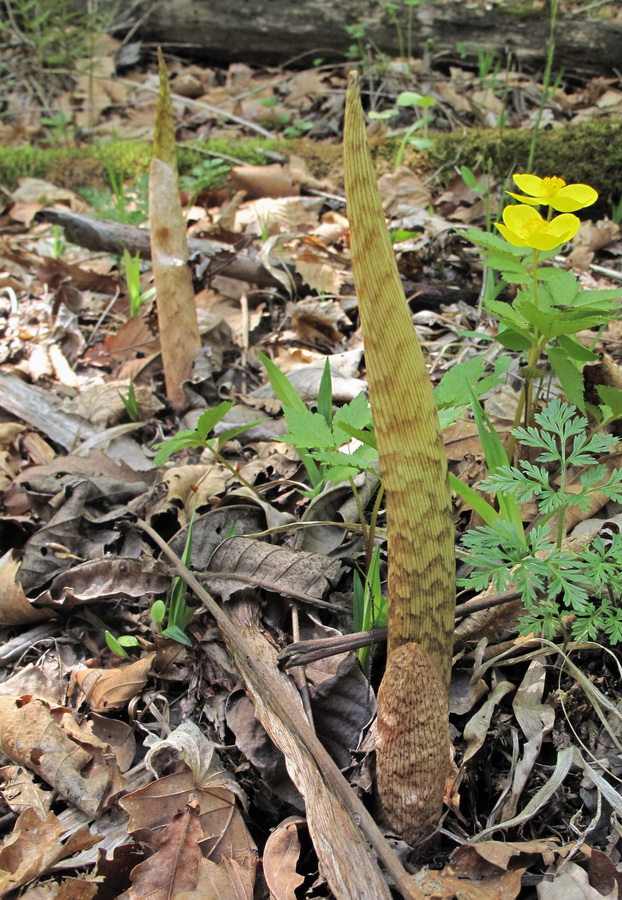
<point x="134" y="762"/>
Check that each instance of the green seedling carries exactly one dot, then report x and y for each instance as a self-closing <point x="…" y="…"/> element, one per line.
<point x="369" y="606"/>
<point x="417" y="102"/>
<point x="205" y="175"/>
<point x="135" y="293"/>
<point x="179" y="613"/>
<point x="130" y="403"/>
<point x="616" y="210"/>
<point x="198" y="437"/>
<point x="47" y="41"/>
<point x="59" y="243"/>
<point x="127" y="204"/>
<point x="61" y="129"/>
<point x="485" y="62"/>
<point x="553" y="580"/>
<point x="361" y="48"/>
<point x="118" y="645"/>
<point x="404" y="31"/>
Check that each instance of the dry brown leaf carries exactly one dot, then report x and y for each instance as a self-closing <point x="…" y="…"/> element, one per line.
<point x="106" y="689"/>
<point x="603" y="872"/>
<point x="193" y="487"/>
<point x="15" y="608"/>
<point x="47" y="740"/>
<point x="106" y="579"/>
<point x="319" y="274"/>
<point x="315" y="321"/>
<point x="487" y="857"/>
<point x="174" y="870"/>
<point x="285" y="215"/>
<point x="264" y="181"/>
<point x="280" y="856"/>
<point x="133" y="337"/>
<point x="102" y="404"/>
<point x="403" y="192"/>
<point x="276" y="569"/>
<point x="443" y="886"/>
<point x="214" y="826"/>
<point x="34" y="846"/>
<point x="572" y="883"/>
<point x="20" y="791"/>
<point x="476" y="728"/>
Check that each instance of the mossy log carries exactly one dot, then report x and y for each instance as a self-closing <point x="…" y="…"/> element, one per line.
<point x="271" y="33"/>
<point x="590" y="153"/>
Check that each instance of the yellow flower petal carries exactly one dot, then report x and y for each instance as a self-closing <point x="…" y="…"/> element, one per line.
<point x="532" y="201"/>
<point x="574" y="196"/>
<point x="523" y="226"/>
<point x="538" y="187"/>
<point x="554" y="192"/>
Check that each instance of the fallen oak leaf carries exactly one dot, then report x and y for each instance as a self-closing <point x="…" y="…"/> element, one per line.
<point x="47" y="740"/>
<point x="106" y="689"/>
<point x="35" y="845"/>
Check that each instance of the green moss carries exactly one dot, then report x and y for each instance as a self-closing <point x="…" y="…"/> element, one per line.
<point x="74" y="168"/>
<point x="589" y="153"/>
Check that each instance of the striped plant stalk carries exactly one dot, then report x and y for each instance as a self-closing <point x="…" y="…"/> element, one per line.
<point x="413" y="738"/>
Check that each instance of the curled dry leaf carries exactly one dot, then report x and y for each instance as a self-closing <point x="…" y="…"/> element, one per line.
<point x="488" y="857"/>
<point x="193" y="487"/>
<point x="35" y="845"/>
<point x="106" y="689"/>
<point x="501" y="886"/>
<point x="280" y="856"/>
<point x="105" y="579"/>
<point x="47" y="740"/>
<point x="15" y="608"/>
<point x="21" y="792"/>
<point x="476" y="729"/>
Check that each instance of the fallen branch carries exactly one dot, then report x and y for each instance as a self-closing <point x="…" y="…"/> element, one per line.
<point x="343" y="832"/>
<point x="106" y="236"/>
<point x="302" y="653"/>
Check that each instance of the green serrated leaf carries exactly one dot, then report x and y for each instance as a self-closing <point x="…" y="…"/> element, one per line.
<point x="513" y="340"/>
<point x="569" y="376"/>
<point x="575" y="350"/>
<point x="505" y="312"/>
<point x="165" y="449"/>
<point x="307" y="429"/>
<point x="612" y="396"/>
<point x="356" y="413"/>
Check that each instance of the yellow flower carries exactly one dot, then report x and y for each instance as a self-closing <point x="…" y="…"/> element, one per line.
<point x="524" y="227"/>
<point x="554" y="192"/>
